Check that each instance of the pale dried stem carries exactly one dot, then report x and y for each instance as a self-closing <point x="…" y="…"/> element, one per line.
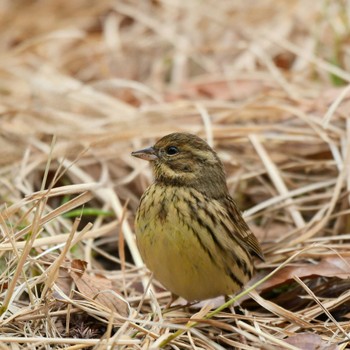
<point x="277" y="180"/>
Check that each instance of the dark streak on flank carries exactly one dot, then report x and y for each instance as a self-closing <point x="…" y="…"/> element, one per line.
<point x="234" y="278"/>
<point x="217" y="243"/>
<point x="241" y="263"/>
<point x="195" y="217"/>
<point x="196" y="234"/>
<point x="243" y="266"/>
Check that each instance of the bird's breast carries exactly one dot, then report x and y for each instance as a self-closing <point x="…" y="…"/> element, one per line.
<point x="175" y="236"/>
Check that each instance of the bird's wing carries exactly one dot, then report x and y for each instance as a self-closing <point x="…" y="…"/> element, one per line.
<point x="242" y="232"/>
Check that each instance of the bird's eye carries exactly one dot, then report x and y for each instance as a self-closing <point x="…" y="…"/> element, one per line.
<point x="172" y="150"/>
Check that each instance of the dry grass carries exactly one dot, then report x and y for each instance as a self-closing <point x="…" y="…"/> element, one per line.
<point x="82" y="84"/>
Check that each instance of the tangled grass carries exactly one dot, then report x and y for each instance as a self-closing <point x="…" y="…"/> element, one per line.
<point x="82" y="84"/>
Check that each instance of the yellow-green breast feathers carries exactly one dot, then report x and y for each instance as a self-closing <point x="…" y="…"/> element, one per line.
<point x="189" y="231"/>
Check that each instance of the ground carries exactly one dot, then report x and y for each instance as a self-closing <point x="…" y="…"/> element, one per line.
<point x="83" y="83"/>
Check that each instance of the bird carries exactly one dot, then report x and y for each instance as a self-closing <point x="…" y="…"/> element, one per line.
<point x="189" y="231"/>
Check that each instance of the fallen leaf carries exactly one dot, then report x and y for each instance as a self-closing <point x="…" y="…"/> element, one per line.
<point x="98" y="288"/>
<point x="233" y="90"/>
<point x="78" y="266"/>
<point x="64" y="282"/>
<point x="220" y="90"/>
<point x="309" y="341"/>
<point x="284" y="60"/>
<point x="331" y="266"/>
<point x="269" y="233"/>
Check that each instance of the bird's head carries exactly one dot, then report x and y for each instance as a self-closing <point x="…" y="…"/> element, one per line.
<point x="183" y="159"/>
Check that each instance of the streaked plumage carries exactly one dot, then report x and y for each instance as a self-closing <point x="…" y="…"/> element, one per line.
<point x="188" y="229"/>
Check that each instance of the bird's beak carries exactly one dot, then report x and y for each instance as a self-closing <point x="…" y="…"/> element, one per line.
<point x="146" y="154"/>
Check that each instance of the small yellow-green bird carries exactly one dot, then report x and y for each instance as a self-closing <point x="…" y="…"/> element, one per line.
<point x="189" y="230"/>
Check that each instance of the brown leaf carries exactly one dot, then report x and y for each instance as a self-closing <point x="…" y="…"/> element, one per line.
<point x="269" y="233"/>
<point x="331" y="266"/>
<point x="224" y="90"/>
<point x="234" y="90"/>
<point x="79" y="266"/>
<point x="220" y="90"/>
<point x="98" y="288"/>
<point x="309" y="341"/>
<point x="64" y="282"/>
